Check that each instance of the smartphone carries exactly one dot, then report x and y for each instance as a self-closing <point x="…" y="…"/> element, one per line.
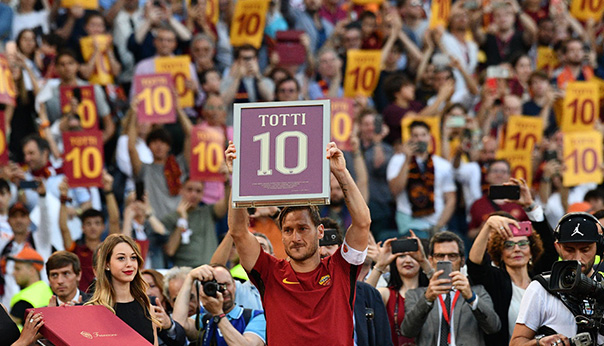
<point x="77" y="93"/>
<point x="526" y="229"/>
<point x="377" y="126"/>
<point x="140" y="190"/>
<point x="456" y="121"/>
<point x="549" y="155"/>
<point x="330" y="237"/>
<point x="404" y="245"/>
<point x="28" y="184"/>
<point x="447" y="267"/>
<point x="498" y="72"/>
<point x="504" y="192"/>
<point x="422" y="147"/>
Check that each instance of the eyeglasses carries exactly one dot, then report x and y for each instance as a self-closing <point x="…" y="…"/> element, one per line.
<point x="523" y="244"/>
<point x="441" y="256"/>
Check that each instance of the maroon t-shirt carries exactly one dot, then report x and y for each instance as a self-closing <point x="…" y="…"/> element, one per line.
<point x="85" y="256"/>
<point x="482" y="208"/>
<point x="320" y="302"/>
<point x="393" y="115"/>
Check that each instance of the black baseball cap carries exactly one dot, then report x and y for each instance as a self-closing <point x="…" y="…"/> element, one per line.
<point x="577" y="228"/>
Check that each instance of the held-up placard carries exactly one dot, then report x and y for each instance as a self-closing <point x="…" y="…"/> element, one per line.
<point x="439" y="13"/>
<point x="180" y="69"/>
<point x="546" y="58"/>
<point x="86" y="4"/>
<point x="7" y="84"/>
<point x="580" y="106"/>
<point x="435" y="145"/>
<point x="585" y="9"/>
<point x="362" y="72"/>
<point x="342" y="122"/>
<point x="523" y="133"/>
<point x="520" y="164"/>
<point x="102" y="68"/>
<point x="86" y="104"/>
<point x="3" y="140"/>
<point x="212" y="9"/>
<point x="207" y="153"/>
<point x="582" y="158"/>
<point x="83" y="158"/>
<point x="156" y="102"/>
<point x="247" y="25"/>
<point x="281" y="153"/>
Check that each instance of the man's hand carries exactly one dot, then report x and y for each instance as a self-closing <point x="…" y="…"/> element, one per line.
<point x="337" y="163"/>
<point x="211" y="304"/>
<point x="41" y="190"/>
<point x="230" y="154"/>
<point x="461" y="283"/>
<point x="160" y="314"/>
<point x="202" y="273"/>
<point x="526" y="199"/>
<point x="107" y="181"/>
<point x="64" y="187"/>
<point x="409" y="148"/>
<point x="437" y="286"/>
<point x="182" y="208"/>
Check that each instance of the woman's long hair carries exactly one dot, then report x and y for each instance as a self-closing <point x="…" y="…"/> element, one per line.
<point x="396" y="283"/>
<point x="104" y="293"/>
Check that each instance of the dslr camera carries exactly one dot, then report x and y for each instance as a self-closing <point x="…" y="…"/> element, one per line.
<point x="210" y="288"/>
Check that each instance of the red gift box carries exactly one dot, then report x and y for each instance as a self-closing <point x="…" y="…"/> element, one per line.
<point x="91" y="325"/>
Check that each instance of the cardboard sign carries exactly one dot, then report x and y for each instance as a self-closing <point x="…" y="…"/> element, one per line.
<point x="212" y="11"/>
<point x="523" y="133"/>
<point x="87" y="111"/>
<point x="3" y="140"/>
<point x="580" y="106"/>
<point x="520" y="163"/>
<point x="102" y="70"/>
<point x="207" y="153"/>
<point x="281" y="153"/>
<point x="7" y="83"/>
<point x="362" y="72"/>
<point x="585" y="9"/>
<point x="180" y="69"/>
<point x="546" y="58"/>
<point x="86" y="4"/>
<point x="439" y="11"/>
<point x="435" y="144"/>
<point x="342" y="122"/>
<point x="156" y="99"/>
<point x="247" y="26"/>
<point x="582" y="158"/>
<point x="83" y="158"/>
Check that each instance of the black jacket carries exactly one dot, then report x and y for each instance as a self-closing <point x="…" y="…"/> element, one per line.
<point x="371" y="319"/>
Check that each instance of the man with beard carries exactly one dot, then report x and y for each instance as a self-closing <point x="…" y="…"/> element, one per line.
<point x="573" y="68"/>
<point x="223" y="322"/>
<point x="422" y="184"/>
<point x="543" y="312"/>
<point x="314" y="294"/>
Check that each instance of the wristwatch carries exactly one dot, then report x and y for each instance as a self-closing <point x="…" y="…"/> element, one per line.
<point x="217" y="318"/>
<point x="538" y="338"/>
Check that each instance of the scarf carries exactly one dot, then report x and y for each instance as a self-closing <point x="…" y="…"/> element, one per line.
<point x="420" y="188"/>
<point x="172" y="173"/>
<point x="47" y="171"/>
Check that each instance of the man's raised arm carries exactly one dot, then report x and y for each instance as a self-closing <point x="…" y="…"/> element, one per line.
<point x="357" y="235"/>
<point x="247" y="245"/>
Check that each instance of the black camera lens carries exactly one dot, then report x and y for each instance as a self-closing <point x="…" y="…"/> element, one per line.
<point x="210" y="288"/>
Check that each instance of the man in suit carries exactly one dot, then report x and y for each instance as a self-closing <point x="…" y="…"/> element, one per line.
<point x="449" y="311"/>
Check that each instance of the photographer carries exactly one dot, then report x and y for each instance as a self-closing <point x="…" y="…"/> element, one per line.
<point x="542" y="312"/>
<point x="237" y="326"/>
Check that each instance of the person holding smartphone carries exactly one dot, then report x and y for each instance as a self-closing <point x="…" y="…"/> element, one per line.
<point x="507" y="280"/>
<point x="450" y="310"/>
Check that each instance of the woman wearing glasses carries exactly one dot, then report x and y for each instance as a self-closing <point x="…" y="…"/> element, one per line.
<point x="506" y="271"/>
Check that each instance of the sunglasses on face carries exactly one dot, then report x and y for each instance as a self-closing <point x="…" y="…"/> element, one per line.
<point x="509" y="244"/>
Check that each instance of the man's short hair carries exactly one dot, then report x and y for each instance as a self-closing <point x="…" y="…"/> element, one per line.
<point x="268" y="241"/>
<point x="40" y="142"/>
<point x="174" y="273"/>
<point x="91" y="213"/>
<point x="419" y="123"/>
<point x="4" y="186"/>
<point x="161" y="135"/>
<point x="204" y="75"/>
<point x="538" y="74"/>
<point x="61" y="259"/>
<point x="91" y="14"/>
<point x="202" y="37"/>
<point x="569" y="41"/>
<point x="66" y="52"/>
<point x="367" y="14"/>
<point x="445" y="237"/>
<point x="167" y="27"/>
<point x="313" y="211"/>
<point x="593" y="194"/>
<point x="394" y="83"/>
<point x="245" y="47"/>
<point x="285" y="80"/>
<point x="53" y="40"/>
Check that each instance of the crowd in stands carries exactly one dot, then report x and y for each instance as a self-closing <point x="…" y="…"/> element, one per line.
<point x="425" y="147"/>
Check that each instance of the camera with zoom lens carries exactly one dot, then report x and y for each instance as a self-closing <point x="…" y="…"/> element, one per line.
<point x="210" y="288"/>
<point x="567" y="278"/>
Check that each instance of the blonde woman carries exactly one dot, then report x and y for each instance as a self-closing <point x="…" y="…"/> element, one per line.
<point x="120" y="287"/>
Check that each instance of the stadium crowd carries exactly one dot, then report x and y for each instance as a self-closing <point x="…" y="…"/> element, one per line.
<point x="172" y="258"/>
